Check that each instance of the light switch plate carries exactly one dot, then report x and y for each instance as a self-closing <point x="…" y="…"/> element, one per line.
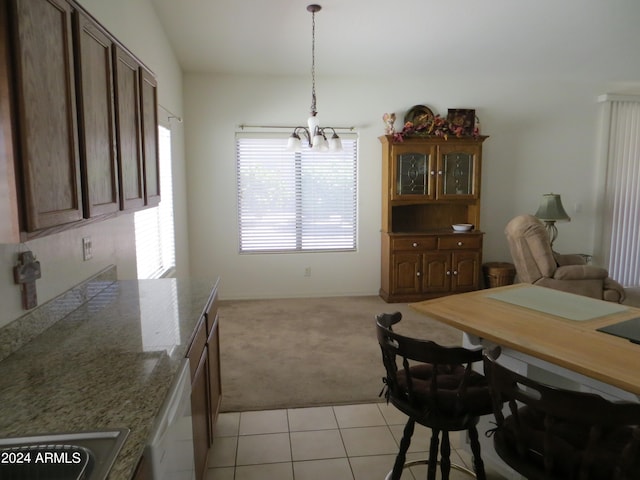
<point x="87" y="250"/>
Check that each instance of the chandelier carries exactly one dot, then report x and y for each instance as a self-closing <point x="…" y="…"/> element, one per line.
<point x="314" y="133"/>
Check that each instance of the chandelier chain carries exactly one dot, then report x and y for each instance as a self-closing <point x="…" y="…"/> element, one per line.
<point x="313" y="63"/>
<point x="315" y="134"/>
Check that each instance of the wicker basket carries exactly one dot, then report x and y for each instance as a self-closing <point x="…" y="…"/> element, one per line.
<point x="498" y="274"/>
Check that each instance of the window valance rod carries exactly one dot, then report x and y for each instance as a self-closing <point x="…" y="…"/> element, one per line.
<point x="618" y="97"/>
<point x="242" y="127"/>
<point x="171" y="114"/>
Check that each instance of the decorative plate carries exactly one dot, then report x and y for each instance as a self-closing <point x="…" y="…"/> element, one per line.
<point x="419" y="115"/>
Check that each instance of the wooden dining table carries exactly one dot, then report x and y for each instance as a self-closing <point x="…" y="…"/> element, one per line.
<point x="544" y="326"/>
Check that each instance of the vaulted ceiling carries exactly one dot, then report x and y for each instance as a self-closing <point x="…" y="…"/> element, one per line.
<point x="595" y="39"/>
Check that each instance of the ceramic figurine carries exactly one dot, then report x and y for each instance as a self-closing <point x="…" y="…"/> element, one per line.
<point x="476" y="127"/>
<point x="389" y="119"/>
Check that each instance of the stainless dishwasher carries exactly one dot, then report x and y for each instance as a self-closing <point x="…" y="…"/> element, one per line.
<point x="170" y="446"/>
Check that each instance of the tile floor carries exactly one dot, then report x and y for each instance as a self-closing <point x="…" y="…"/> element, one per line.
<point x="351" y="442"/>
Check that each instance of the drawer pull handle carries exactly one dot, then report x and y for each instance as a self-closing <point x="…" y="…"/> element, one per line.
<point x="460" y="244"/>
<point x="414" y="244"/>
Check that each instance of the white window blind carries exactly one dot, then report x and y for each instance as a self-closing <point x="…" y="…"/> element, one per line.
<point x="295" y="202"/>
<point x="622" y="190"/>
<point x="155" y="236"/>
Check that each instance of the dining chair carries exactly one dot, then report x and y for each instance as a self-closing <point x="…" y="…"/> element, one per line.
<point x="434" y="386"/>
<point x="549" y="433"/>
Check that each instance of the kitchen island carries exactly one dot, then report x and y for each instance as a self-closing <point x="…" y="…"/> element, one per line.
<point x="548" y="335"/>
<point x="109" y="363"/>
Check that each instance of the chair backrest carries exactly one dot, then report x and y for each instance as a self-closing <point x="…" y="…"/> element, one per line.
<point x="422" y="374"/>
<point x="530" y="248"/>
<point x="552" y="433"/>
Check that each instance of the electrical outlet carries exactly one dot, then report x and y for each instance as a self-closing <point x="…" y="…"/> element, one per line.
<point x="307" y="272"/>
<point x="87" y="249"/>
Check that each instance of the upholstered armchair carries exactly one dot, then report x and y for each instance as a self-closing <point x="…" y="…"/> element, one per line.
<point x="538" y="264"/>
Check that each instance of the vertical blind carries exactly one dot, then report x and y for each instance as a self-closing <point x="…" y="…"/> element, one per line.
<point x="622" y="190"/>
<point x="295" y="201"/>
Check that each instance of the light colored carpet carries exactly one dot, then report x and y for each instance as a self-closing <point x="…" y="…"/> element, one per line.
<point x="288" y="353"/>
<point x="312" y="351"/>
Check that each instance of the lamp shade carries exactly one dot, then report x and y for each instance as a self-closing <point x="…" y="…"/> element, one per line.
<point x="551" y="208"/>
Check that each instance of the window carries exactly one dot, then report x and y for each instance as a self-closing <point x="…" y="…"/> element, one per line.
<point x="295" y="202"/>
<point x="155" y="244"/>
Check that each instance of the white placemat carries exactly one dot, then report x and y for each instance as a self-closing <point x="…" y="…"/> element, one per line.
<point x="556" y="302"/>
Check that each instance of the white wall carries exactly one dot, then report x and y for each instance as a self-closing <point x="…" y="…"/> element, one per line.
<point x="135" y="24"/>
<point x="543" y="138"/>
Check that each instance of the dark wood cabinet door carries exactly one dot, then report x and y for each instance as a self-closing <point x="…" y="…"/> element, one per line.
<point x="466" y="271"/>
<point x="200" y="416"/>
<point x="9" y="203"/>
<point x="130" y="165"/>
<point x="144" y="470"/>
<point x="46" y="107"/>
<point x="97" y="118"/>
<point x="149" y="112"/>
<point x="215" y="386"/>
<point x="437" y="272"/>
<point x="406" y="273"/>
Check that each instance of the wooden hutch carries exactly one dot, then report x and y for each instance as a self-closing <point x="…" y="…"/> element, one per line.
<point x="429" y="184"/>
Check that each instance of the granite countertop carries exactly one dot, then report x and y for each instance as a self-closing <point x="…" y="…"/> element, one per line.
<point x="107" y="364"/>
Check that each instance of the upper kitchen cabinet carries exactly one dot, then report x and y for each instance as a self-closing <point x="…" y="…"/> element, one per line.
<point x="127" y="82"/>
<point x="78" y="121"/>
<point x="45" y="100"/>
<point x="96" y="111"/>
<point x="10" y="225"/>
<point x="150" y="150"/>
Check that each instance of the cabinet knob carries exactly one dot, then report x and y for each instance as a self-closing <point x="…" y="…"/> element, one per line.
<point x="418" y="274"/>
<point x="455" y="272"/>
<point x="433" y="172"/>
<point x="439" y="172"/>
<point x="460" y="244"/>
<point x="414" y="244"/>
<point x="448" y="272"/>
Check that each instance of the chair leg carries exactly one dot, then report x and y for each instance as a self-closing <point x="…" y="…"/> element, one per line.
<point x="402" y="453"/>
<point x="445" y="456"/>
<point x="478" y="464"/>
<point x="433" y="454"/>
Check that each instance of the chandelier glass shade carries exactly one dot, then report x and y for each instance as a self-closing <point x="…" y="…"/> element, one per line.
<point x="313" y="133"/>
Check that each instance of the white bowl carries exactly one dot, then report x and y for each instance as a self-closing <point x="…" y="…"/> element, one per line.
<point x="462" y="227"/>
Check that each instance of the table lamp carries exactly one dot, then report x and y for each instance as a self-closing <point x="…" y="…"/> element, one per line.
<point x="549" y="211"/>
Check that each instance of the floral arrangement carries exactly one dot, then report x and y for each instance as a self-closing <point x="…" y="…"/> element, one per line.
<point x="437" y="127"/>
